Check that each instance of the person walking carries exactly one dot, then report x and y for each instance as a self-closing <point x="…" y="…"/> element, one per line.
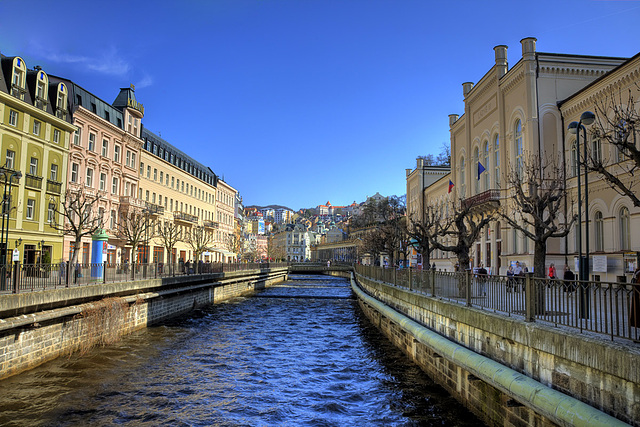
<point x="482" y="280"/>
<point x="634" y="312"/>
<point x="568" y="278"/>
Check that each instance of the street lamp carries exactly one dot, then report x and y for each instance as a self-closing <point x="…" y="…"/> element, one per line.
<point x="586" y="119"/>
<point x="8" y="176"/>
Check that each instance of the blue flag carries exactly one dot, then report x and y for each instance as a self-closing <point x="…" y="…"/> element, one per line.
<point x="480" y="170"/>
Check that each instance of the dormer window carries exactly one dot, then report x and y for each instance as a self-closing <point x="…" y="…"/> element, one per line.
<point x="42" y="83"/>
<point x="61" y="105"/>
<point x="18" y="78"/>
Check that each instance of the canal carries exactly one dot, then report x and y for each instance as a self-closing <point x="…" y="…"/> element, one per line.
<point x="298" y="353"/>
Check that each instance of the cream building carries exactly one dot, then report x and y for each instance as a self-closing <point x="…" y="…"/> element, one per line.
<point x="225" y="216"/>
<point x="176" y="188"/>
<point x="508" y="115"/>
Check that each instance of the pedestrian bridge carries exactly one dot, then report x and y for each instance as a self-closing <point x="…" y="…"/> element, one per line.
<point x="320" y="268"/>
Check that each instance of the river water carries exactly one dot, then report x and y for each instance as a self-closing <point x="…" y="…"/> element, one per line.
<point x="297" y="354"/>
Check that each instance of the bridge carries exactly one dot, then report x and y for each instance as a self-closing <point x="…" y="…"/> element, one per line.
<point x="320" y="268"/>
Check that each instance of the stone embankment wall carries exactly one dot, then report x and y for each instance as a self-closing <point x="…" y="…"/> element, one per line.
<point x="505" y="370"/>
<point x="38" y="327"/>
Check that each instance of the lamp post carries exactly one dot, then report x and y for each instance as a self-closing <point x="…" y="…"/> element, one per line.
<point x="586" y="119"/>
<point x="6" y="210"/>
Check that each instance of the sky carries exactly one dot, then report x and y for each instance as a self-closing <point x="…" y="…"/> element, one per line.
<point x="300" y="102"/>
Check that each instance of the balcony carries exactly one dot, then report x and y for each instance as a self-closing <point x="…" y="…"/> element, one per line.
<point x="210" y="224"/>
<point x="18" y="92"/>
<point x="153" y="209"/>
<point x="128" y="201"/>
<point x="185" y="217"/>
<point x="54" y="187"/>
<point x="489" y="199"/>
<point x="33" y="181"/>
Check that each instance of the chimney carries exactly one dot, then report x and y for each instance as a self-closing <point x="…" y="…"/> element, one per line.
<point x="37" y="68"/>
<point x="452" y="119"/>
<point x="420" y="161"/>
<point x="466" y="88"/>
<point x="408" y="171"/>
<point x="528" y="48"/>
<point x="501" y="59"/>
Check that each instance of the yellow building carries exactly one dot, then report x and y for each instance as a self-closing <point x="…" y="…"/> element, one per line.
<point x="178" y="189"/>
<point x="35" y="129"/>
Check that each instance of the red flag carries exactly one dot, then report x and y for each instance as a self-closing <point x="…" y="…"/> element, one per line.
<point x="450" y="186"/>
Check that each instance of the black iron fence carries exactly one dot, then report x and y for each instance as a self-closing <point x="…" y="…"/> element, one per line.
<point x="19" y="278"/>
<point x="609" y="308"/>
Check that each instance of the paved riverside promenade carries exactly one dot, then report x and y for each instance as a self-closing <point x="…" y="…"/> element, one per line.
<point x="529" y="326"/>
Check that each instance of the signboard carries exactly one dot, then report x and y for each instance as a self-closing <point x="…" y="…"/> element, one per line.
<point x="600" y="263"/>
<point x="16" y="255"/>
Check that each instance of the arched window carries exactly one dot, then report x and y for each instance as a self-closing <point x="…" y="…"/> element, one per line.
<point x="596" y="150"/>
<point x="462" y="177"/>
<point x="625" y="236"/>
<point x="18" y="80"/>
<point x="476" y="160"/>
<point x="598" y="225"/>
<point x="487" y="163"/>
<point x="42" y="83"/>
<point x="496" y="162"/>
<point x="574" y="159"/>
<point x="519" y="148"/>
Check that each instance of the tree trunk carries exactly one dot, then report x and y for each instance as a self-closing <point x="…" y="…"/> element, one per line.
<point x="539" y="259"/>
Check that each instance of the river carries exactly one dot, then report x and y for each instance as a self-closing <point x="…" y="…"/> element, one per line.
<point x="300" y="353"/>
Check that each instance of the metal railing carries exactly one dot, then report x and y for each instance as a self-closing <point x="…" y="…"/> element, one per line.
<point x="599" y="307"/>
<point x="21" y="278"/>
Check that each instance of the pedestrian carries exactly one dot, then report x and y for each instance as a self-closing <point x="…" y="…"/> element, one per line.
<point x="568" y="278"/>
<point x="63" y="272"/>
<point x="518" y="273"/>
<point x="482" y="280"/>
<point x="634" y="312"/>
<point x="552" y="271"/>
<point x="510" y="281"/>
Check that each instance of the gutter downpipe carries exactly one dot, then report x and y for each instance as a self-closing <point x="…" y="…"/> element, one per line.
<point x="551" y="404"/>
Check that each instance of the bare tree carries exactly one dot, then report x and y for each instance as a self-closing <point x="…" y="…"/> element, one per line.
<point x="423" y="231"/>
<point x="373" y="242"/>
<point x="199" y="240"/>
<point x="134" y="227"/>
<point x="234" y="242"/>
<point x="464" y="225"/>
<point x="537" y="194"/>
<point x="275" y="251"/>
<point x="169" y="234"/>
<point x="78" y="216"/>
<point x="617" y="122"/>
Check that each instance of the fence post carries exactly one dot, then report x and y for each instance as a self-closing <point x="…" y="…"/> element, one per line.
<point x="433" y="282"/>
<point x="104" y="271"/>
<point x="529" y="299"/>
<point x="16" y="267"/>
<point x="468" y="287"/>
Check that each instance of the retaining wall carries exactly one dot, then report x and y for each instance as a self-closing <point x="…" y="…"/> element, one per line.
<point x="38" y="327"/>
<point x="580" y="369"/>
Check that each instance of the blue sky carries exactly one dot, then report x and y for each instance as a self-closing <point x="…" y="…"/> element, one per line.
<point x="300" y="102"/>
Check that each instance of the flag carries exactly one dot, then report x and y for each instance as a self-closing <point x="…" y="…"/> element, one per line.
<point x="450" y="186"/>
<point x="480" y="170"/>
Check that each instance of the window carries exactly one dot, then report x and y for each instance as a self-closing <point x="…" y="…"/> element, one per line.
<point x="462" y="178"/>
<point x="128" y="158"/>
<point x="161" y="177"/>
<point x="105" y="148"/>
<point x="625" y="237"/>
<point x="519" y="148"/>
<point x="101" y="215"/>
<point x="31" y="207"/>
<point x="33" y="166"/>
<point x="487" y="172"/>
<point x="598" y="225"/>
<point x="113" y="219"/>
<point x="103" y="180"/>
<point x="575" y="167"/>
<point x="596" y="150"/>
<point x="114" y="186"/>
<point x="50" y="213"/>
<point x="133" y="160"/>
<point x="146" y="195"/>
<point x="116" y="153"/>
<point x="155" y="174"/>
<point x="10" y="159"/>
<point x="141" y="168"/>
<point x="56" y="136"/>
<point x="40" y="88"/>
<point x="496" y="147"/>
<point x="167" y="182"/>
<point x="13" y="118"/>
<point x="74" y="172"/>
<point x="92" y="142"/>
<point x="127" y="188"/>
<point x="148" y="171"/>
<point x="90" y="178"/>
<point x="36" y="127"/>
<point x="76" y="137"/>
<point x="53" y="175"/>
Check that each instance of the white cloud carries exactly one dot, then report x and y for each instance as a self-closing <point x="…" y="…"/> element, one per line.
<point x="146" y="81"/>
<point x="108" y="62"/>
